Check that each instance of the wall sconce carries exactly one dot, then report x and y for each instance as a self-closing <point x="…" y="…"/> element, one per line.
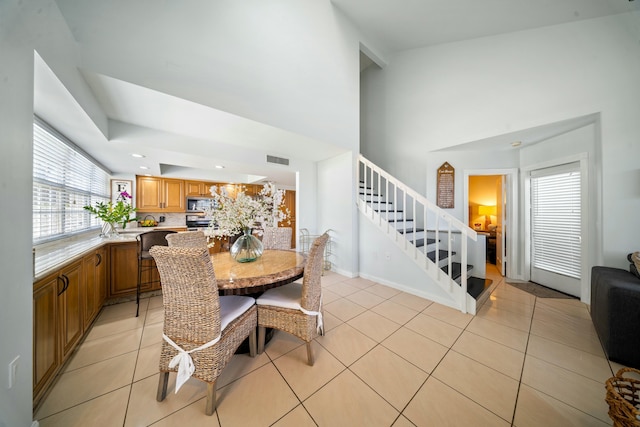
<point x="487" y="211"/>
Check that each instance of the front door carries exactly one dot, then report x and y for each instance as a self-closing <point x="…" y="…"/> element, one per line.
<point x="556" y="225"/>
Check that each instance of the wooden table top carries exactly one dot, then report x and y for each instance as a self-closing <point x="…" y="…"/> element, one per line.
<point x="273" y="268"/>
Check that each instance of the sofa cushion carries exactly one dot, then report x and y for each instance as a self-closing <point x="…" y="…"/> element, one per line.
<point x="615" y="311"/>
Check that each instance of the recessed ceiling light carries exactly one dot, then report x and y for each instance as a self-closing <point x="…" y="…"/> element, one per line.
<point x="143" y="167"/>
<point x="219" y="167"/>
<point x="138" y="156"/>
<point x="147" y="174"/>
<point x="516" y="143"/>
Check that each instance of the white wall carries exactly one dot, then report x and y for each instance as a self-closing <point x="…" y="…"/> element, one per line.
<point x="441" y="96"/>
<point x="382" y="261"/>
<point x="337" y="211"/>
<point x="24" y="26"/>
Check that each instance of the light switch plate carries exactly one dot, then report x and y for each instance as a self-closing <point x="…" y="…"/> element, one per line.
<point x="13" y="371"/>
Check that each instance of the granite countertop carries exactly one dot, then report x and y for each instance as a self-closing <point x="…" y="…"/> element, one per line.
<point x="51" y="256"/>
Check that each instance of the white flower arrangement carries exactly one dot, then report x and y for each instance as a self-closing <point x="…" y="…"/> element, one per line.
<point x="230" y="216"/>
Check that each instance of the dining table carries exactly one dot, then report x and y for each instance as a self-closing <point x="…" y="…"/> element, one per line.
<point x="274" y="268"/>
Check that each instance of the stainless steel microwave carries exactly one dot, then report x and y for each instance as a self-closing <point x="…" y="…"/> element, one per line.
<point x="199" y="204"/>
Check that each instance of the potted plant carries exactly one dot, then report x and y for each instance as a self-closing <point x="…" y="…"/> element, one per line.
<point x="113" y="213"/>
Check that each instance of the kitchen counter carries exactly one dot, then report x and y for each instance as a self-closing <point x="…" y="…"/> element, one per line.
<point x="51" y="256"/>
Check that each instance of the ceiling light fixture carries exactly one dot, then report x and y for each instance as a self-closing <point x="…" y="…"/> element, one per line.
<point x="219" y="167"/>
<point x="516" y="143"/>
<point x="144" y="167"/>
<point x="137" y="156"/>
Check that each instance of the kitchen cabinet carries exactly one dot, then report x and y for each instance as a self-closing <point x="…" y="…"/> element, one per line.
<point x="160" y="194"/>
<point x="57" y="323"/>
<point x="46" y="356"/>
<point x="290" y="203"/>
<point x="70" y="307"/>
<point x="123" y="279"/>
<point x="94" y="293"/>
<point x="198" y="188"/>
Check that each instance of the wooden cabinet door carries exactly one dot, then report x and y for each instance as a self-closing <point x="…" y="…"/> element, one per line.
<point x="94" y="289"/>
<point x="149" y="190"/>
<point x="124" y="268"/>
<point x="194" y="188"/>
<point x="174" y="198"/>
<point x="70" y="307"/>
<point x="290" y="203"/>
<point x="89" y="297"/>
<point x="124" y="271"/>
<point x="46" y="356"/>
<point x="101" y="276"/>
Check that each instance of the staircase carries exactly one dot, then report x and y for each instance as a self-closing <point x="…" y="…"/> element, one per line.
<point x="437" y="242"/>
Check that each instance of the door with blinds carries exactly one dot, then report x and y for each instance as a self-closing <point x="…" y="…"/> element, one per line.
<point x="556" y="227"/>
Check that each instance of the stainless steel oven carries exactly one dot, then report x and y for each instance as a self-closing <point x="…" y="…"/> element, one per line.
<point x="197" y="222"/>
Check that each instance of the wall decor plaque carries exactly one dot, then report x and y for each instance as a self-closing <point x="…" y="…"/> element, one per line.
<point x="445" y="186"/>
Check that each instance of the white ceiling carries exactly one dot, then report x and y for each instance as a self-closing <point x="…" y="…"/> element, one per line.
<point x="396" y="25"/>
<point x="184" y="139"/>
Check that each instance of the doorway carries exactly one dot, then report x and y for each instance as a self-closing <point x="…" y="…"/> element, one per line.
<point x="556" y="223"/>
<point x="490" y="210"/>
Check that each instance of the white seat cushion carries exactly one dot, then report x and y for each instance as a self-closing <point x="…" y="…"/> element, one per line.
<point x="232" y="306"/>
<point x="287" y="296"/>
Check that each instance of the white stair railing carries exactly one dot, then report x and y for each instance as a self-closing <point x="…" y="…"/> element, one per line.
<point x="385" y="199"/>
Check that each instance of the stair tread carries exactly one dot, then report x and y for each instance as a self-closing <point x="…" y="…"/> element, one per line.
<point x="443" y="255"/>
<point x="476" y="286"/>
<point x="456" y="268"/>
<point x="387" y="210"/>
<point x="420" y="242"/>
<point x="409" y="230"/>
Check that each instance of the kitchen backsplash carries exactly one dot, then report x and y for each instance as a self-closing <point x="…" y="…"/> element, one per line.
<point x="177" y="219"/>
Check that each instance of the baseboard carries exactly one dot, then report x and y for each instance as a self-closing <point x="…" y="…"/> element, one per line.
<point x="349" y="274"/>
<point x="412" y="291"/>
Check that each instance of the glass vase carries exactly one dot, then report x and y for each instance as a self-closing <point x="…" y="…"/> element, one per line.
<point x="109" y="230"/>
<point x="247" y="247"/>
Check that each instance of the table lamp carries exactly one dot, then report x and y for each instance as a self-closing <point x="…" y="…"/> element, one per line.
<point x="487" y="211"/>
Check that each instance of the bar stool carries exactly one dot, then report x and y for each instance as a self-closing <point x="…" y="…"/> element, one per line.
<point x="145" y="261"/>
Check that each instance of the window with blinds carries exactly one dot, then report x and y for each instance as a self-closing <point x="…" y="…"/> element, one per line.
<point x="556" y="220"/>
<point x="64" y="180"/>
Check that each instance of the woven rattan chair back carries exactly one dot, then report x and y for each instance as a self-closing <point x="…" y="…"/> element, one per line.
<point x="189" y="294"/>
<point x="145" y="242"/>
<point x="292" y="320"/>
<point x="311" y="282"/>
<point x="192" y="318"/>
<point x="188" y="239"/>
<point x="277" y="237"/>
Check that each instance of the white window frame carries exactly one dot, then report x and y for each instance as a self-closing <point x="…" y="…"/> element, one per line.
<point x="65" y="179"/>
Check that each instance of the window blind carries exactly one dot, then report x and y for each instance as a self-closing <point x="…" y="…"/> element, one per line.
<point x="556" y="220"/>
<point x="64" y="180"/>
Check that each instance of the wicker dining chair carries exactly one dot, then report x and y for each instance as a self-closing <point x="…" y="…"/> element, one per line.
<point x="199" y="326"/>
<point x="277" y="237"/>
<point x="188" y="239"/>
<point x="146" y="241"/>
<point x="296" y="308"/>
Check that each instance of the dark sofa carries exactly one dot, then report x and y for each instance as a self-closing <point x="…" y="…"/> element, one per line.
<point x="615" y="311"/>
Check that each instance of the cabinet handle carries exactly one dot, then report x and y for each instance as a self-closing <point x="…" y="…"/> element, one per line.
<point x="65" y="283"/>
<point x="99" y="261"/>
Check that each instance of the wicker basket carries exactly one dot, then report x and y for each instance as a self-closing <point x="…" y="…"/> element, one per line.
<point x="623" y="397"/>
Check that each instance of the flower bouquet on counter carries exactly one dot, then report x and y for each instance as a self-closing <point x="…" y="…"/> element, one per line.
<point x="114" y="213"/>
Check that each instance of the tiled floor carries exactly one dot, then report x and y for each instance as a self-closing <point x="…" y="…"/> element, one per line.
<point x="387" y="359"/>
